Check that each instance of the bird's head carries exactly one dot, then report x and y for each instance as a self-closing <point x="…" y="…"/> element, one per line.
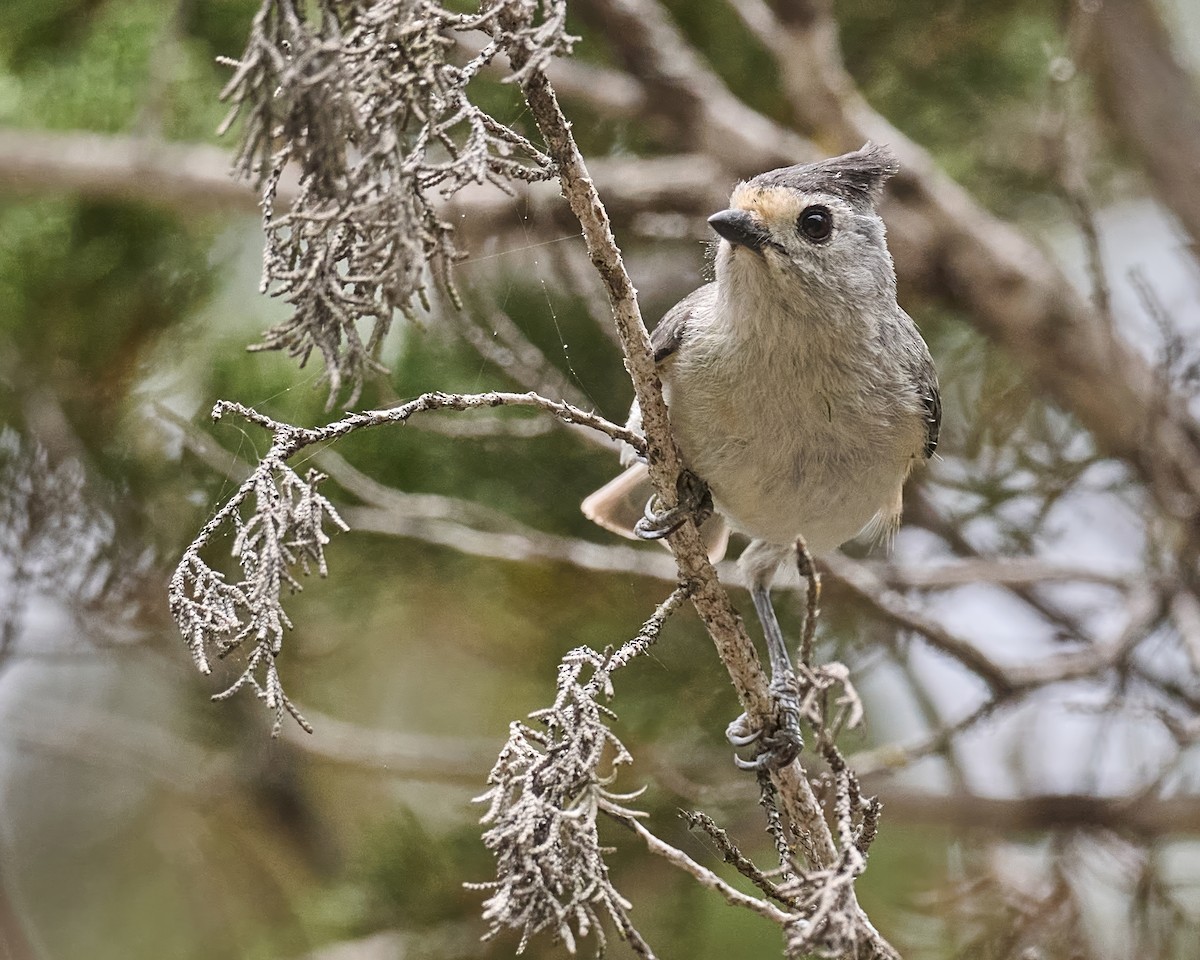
<point x="810" y="231"/>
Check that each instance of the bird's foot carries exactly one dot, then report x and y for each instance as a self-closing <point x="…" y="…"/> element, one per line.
<point x="694" y="500"/>
<point x="780" y="742"/>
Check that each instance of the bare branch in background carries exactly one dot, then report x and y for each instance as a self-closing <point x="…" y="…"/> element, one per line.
<point x="192" y="178"/>
<point x="1151" y="97"/>
<point x="401" y="754"/>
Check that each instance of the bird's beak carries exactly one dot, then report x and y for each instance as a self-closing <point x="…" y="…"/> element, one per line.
<point x="740" y="228"/>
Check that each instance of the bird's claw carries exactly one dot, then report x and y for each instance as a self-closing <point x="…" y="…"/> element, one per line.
<point x="694" y="500"/>
<point x="779" y="743"/>
<point x="659" y="524"/>
<point x="741" y="734"/>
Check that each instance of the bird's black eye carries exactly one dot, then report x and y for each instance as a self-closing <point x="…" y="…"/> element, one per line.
<point x="816" y="223"/>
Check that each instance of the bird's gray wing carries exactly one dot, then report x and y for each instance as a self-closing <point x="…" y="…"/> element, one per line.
<point x="913" y="354"/>
<point x="665" y="340"/>
<point x="621" y="502"/>
<point x="672" y="329"/>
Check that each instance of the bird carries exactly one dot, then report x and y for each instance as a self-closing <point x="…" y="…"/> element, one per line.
<point x="800" y="393"/>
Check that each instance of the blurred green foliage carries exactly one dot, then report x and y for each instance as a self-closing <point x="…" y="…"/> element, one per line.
<point x="84" y="288"/>
<point x="88" y="66"/>
<point x="963" y="79"/>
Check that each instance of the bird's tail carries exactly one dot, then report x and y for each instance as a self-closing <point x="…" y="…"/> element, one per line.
<point x="883" y="526"/>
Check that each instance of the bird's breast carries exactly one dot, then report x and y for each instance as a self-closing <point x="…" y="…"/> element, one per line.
<point x="792" y="444"/>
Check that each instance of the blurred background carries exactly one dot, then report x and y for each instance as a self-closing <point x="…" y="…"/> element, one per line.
<point x="1055" y="816"/>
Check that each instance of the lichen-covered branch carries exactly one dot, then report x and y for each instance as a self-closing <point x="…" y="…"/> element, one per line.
<point x="279" y="520"/>
<point x="364" y="100"/>
<point x="546" y="790"/>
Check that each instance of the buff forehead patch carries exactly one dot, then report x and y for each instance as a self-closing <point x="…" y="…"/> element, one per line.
<point x="775" y="205"/>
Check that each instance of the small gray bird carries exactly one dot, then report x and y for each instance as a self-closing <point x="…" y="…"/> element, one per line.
<point x="800" y="392"/>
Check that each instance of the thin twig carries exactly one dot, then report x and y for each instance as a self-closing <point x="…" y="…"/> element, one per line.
<point x="766" y="799"/>
<point x="704" y="876"/>
<point x="809" y="575"/>
<point x="647" y="636"/>
<point x="296" y="438"/>
<point x="731" y="854"/>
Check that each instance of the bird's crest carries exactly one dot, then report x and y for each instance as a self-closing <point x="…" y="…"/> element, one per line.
<point x="857" y="177"/>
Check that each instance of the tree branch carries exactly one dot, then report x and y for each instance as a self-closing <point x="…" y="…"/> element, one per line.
<point x="1131" y="815"/>
<point x="710" y="600"/>
<point x="193" y="178"/>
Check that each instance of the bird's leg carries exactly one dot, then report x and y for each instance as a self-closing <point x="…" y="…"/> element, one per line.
<point x="694" y="500"/>
<point x="781" y="742"/>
